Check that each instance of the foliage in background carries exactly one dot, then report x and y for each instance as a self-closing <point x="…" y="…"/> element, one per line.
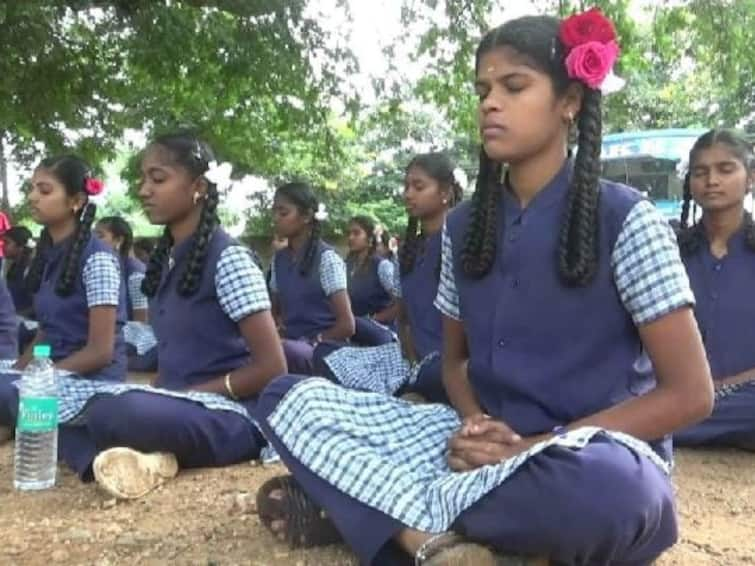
<point x="687" y="64"/>
<point x="269" y="88"/>
<point x="254" y="77"/>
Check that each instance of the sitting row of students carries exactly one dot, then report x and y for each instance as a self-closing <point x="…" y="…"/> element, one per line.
<point x="208" y="304"/>
<point x="570" y="352"/>
<point x="563" y="334"/>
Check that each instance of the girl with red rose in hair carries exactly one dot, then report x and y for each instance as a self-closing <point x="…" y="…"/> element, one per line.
<point x="79" y="298"/>
<point x="570" y="353"/>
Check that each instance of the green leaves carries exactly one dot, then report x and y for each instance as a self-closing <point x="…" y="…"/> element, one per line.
<point x="688" y="64"/>
<point x="74" y="74"/>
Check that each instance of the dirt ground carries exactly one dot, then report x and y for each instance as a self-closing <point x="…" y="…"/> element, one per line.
<point x="206" y="517"/>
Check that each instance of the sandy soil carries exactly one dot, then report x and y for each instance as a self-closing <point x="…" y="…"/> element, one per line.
<point x="207" y="517"/>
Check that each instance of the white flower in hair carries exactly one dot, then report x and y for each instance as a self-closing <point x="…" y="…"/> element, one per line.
<point x="219" y="174"/>
<point x="321" y="214"/>
<point x="612" y="84"/>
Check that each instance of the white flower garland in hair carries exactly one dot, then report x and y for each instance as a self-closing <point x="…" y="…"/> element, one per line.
<point x="322" y="214"/>
<point x="219" y="174"/>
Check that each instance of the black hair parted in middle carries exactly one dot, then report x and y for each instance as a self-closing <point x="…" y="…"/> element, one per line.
<point x="72" y="172"/>
<point x="438" y="166"/>
<point x="195" y="156"/>
<point x="537" y="38"/>
<point x="301" y="195"/>
<point x="692" y="237"/>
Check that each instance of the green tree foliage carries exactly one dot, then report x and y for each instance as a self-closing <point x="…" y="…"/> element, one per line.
<point x="687" y="64"/>
<point x="254" y="77"/>
<point x="261" y="79"/>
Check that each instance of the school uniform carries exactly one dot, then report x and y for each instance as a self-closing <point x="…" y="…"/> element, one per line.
<point x="140" y="338"/>
<point x="198" y="340"/>
<point x="8" y="328"/>
<point x="15" y="278"/>
<point x="65" y="320"/>
<point x="305" y="300"/>
<point x="23" y="300"/>
<point x="587" y="496"/>
<point x="370" y="287"/>
<point x="725" y="312"/>
<point x="133" y="272"/>
<point x="383" y="369"/>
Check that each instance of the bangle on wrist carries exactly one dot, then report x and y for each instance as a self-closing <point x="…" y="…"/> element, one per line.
<point x="228" y="387"/>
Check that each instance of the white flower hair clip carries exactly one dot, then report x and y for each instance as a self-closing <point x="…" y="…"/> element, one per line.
<point x="219" y="174"/>
<point x="322" y="214"/>
<point x="612" y="84"/>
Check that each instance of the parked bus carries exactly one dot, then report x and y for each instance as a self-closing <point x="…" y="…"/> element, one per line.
<point x="652" y="161"/>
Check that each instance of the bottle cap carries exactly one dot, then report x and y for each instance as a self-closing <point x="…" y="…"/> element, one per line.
<point x="42" y="351"/>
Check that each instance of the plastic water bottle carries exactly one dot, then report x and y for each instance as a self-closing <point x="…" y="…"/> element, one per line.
<point x="36" y="458"/>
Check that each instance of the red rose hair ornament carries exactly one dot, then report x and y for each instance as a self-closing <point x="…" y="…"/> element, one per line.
<point x="93" y="186"/>
<point x="589" y="39"/>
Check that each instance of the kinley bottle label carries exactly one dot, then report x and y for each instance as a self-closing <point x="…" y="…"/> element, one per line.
<point x="37" y="414"/>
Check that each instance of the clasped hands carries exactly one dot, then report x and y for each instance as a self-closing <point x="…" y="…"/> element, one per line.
<point x="482" y="440"/>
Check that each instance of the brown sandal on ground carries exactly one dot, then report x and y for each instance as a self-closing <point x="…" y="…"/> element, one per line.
<point x="306" y="524"/>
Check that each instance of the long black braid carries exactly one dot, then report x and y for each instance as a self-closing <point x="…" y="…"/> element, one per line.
<point x="194" y="155"/>
<point x="537" y="38"/>
<point x="578" y="251"/>
<point x="72" y="172"/>
<point x="34" y="275"/>
<point x="749" y="227"/>
<point x="478" y="253"/>
<point x="157" y="259"/>
<point x="439" y="167"/>
<point x="301" y="195"/>
<point x="64" y="286"/>
<point x="408" y="252"/>
<point x="313" y="244"/>
<point x="692" y="237"/>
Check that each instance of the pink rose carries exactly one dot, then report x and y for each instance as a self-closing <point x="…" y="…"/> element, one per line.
<point x="591" y="62"/>
<point x="93" y="186"/>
